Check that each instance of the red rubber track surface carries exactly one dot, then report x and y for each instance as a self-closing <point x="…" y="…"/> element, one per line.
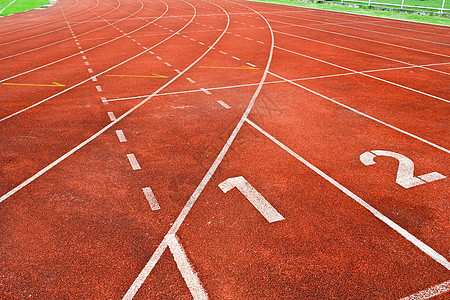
<point x="102" y="99"/>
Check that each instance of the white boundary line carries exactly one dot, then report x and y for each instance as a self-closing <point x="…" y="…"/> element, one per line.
<point x="415" y="241"/>
<point x="430" y="292"/>
<point x="184" y="212"/>
<point x="10" y="3"/>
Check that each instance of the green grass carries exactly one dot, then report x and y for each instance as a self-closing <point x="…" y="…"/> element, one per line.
<point x="440" y="20"/>
<point x="19" y="6"/>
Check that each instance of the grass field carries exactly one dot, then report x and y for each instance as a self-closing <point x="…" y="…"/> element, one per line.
<point x="437" y="4"/>
<point x="8" y="7"/>
<point x="367" y="11"/>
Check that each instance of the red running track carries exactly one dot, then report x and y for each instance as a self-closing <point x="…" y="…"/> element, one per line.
<point x="162" y="149"/>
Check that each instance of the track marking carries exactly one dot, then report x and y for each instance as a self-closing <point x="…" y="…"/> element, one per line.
<point x="121" y="136"/>
<point x="158" y="58"/>
<point x="151" y="198"/>
<point x="186" y="269"/>
<point x="223" y="104"/>
<point x="251" y="65"/>
<point x="236" y="58"/>
<point x="90" y="71"/>
<point x="235" y="68"/>
<point x="415" y="241"/>
<point x="94" y="78"/>
<point x="86" y="63"/>
<point x="111" y="116"/>
<point x="167" y="64"/>
<point x="140" y="76"/>
<point x="430" y="292"/>
<point x="190" y="80"/>
<point x="99" y="88"/>
<point x="133" y="162"/>
<point x="223" y="52"/>
<point x="33" y="84"/>
<point x="205" y="91"/>
<point x="253" y="196"/>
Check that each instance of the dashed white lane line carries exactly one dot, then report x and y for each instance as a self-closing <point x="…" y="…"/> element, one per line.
<point x="133" y="162"/>
<point x="224" y="104"/>
<point x="121" y="136"/>
<point x="430" y="292"/>
<point x="223" y="52"/>
<point x="90" y="71"/>
<point x="260" y="42"/>
<point x="84" y="57"/>
<point x="247" y="38"/>
<point x="86" y="63"/>
<point x="178" y="71"/>
<point x="104" y="100"/>
<point x="158" y="58"/>
<point x="167" y="64"/>
<point x="94" y="78"/>
<point x="190" y="80"/>
<point x="111" y="116"/>
<point x="251" y="65"/>
<point x="151" y="198"/>
<point x="186" y="269"/>
<point x="236" y="58"/>
<point x="400" y="230"/>
<point x="99" y="88"/>
<point x="151" y="52"/>
<point x="205" y="91"/>
<point x="201" y="43"/>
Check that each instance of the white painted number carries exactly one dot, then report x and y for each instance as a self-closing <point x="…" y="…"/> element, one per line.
<point x="255" y="198"/>
<point x="405" y="173"/>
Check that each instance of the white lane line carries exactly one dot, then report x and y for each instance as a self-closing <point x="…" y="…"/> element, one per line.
<point x="151" y="52"/>
<point x="151" y="198"/>
<point x="236" y="58"/>
<point x="111" y="116"/>
<point x="363" y="114"/>
<point x="237" y="35"/>
<point x="90" y="71"/>
<point x="430" y="292"/>
<point x="418" y="243"/>
<point x="190" y="80"/>
<point x="223" y="52"/>
<point x="186" y="269"/>
<point x="84" y="57"/>
<point x="121" y="136"/>
<point x="223" y="104"/>
<point x="86" y="63"/>
<point x="205" y="91"/>
<point x="158" y="58"/>
<point x="260" y="42"/>
<point x="251" y="65"/>
<point x="167" y="64"/>
<point x="201" y="43"/>
<point x="104" y="100"/>
<point x="250" y="39"/>
<point x="99" y="88"/>
<point x="133" y="162"/>
<point x="94" y="78"/>
<point x="178" y="71"/>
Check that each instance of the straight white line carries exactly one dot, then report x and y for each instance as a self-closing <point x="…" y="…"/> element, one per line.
<point x="223" y="52"/>
<point x="419" y="244"/>
<point x="10" y="3"/>
<point x="99" y="88"/>
<point x="236" y="58"/>
<point x="111" y="116"/>
<point x="151" y="198"/>
<point x="86" y="63"/>
<point x="205" y="91"/>
<point x="186" y="269"/>
<point x="223" y="104"/>
<point x="178" y="71"/>
<point x="251" y="65"/>
<point x="90" y="71"/>
<point x="167" y="64"/>
<point x="430" y="292"/>
<point x="94" y="78"/>
<point x="84" y="57"/>
<point x="190" y="80"/>
<point x="121" y="136"/>
<point x="133" y="161"/>
<point x="363" y="114"/>
<point x="260" y="42"/>
<point x="159" y="58"/>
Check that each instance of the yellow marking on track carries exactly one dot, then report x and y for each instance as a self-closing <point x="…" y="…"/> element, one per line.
<point x="145" y="76"/>
<point x="34" y="84"/>
<point x="236" y="68"/>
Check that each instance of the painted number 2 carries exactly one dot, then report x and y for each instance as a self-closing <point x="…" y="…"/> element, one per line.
<point x="405" y="172"/>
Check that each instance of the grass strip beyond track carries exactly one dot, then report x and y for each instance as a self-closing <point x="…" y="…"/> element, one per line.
<point x="365" y="11"/>
<point x="9" y="7"/>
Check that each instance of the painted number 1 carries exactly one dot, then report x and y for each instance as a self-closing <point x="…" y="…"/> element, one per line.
<point x="255" y="198"/>
<point x="405" y="172"/>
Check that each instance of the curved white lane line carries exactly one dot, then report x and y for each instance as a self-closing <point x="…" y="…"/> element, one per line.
<point x="38" y="25"/>
<point x="94" y="136"/>
<point x="64" y="40"/>
<point x="89" y="49"/>
<point x="189" y="204"/>
<point x="51" y="31"/>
